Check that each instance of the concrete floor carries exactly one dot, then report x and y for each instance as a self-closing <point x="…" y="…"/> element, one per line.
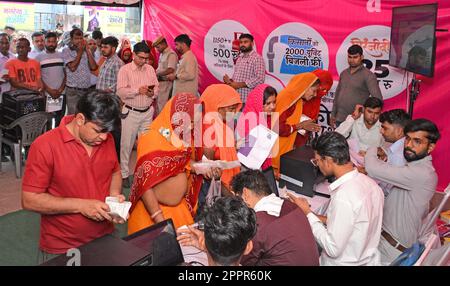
<point x="10" y="187"/>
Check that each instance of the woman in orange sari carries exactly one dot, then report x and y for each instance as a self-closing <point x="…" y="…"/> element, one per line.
<point x="164" y="185"/>
<point x="289" y="107"/>
<point x="311" y="108"/>
<point x="221" y="103"/>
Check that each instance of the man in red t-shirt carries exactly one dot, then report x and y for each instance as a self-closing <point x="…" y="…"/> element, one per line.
<point x="24" y="73"/>
<point x="70" y="171"/>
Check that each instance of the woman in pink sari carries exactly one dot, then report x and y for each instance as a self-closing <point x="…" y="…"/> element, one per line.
<point x="258" y="111"/>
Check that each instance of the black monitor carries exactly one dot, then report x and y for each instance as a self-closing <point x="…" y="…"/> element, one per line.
<point x="413" y="38"/>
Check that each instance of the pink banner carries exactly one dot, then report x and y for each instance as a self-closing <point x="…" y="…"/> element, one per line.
<point x="300" y="36"/>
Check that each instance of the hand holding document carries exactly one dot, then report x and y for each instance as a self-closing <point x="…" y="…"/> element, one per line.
<point x="116" y="209"/>
<point x="302" y="119"/>
<point x="203" y="167"/>
<point x="258" y="145"/>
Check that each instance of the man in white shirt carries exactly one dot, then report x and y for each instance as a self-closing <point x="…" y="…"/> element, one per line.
<point x="5" y="55"/>
<point x="364" y="129"/>
<point x="38" y="45"/>
<point x="392" y="124"/>
<point x="350" y="233"/>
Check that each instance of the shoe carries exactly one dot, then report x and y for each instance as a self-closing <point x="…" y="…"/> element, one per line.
<point x="126" y="183"/>
<point x="4" y="159"/>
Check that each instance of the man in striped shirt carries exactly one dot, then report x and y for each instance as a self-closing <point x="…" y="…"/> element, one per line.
<point x="137" y="86"/>
<point x="53" y="76"/>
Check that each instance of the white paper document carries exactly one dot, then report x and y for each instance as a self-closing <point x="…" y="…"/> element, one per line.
<point x="202" y="167"/>
<point x="117" y="209"/>
<point x="54" y="104"/>
<point x="257" y="147"/>
<point x="303" y="118"/>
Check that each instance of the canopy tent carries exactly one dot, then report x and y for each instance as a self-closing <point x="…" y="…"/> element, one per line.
<point x="115" y="3"/>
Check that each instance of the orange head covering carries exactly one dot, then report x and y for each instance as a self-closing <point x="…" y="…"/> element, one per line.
<point x="291" y="95"/>
<point x="161" y="154"/>
<point x="311" y="108"/>
<point x="214" y="97"/>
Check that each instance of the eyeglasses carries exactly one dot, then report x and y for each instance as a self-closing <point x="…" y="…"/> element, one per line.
<point x="143" y="58"/>
<point x="314" y="161"/>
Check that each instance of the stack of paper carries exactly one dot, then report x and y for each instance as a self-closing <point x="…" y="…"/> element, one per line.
<point x="116" y="209"/>
<point x="202" y="167"/>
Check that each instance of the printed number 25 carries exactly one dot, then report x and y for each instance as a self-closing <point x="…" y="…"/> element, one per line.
<point x="381" y="70"/>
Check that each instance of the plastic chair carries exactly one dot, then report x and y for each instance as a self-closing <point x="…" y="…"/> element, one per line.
<point x="438" y="257"/>
<point x="428" y="246"/>
<point x="31" y="126"/>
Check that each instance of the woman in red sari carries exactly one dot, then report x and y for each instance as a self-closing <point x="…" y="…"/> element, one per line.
<point x="311" y="108"/>
<point x="164" y="184"/>
<point x="126" y="55"/>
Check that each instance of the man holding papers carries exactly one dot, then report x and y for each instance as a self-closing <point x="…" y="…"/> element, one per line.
<point x="69" y="173"/>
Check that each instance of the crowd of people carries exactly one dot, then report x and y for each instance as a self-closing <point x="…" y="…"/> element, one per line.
<point x="378" y="162"/>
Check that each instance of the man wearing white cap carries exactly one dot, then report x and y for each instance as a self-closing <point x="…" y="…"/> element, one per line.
<point x="168" y="60"/>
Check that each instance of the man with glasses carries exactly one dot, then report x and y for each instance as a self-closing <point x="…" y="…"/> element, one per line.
<point x="137" y="86"/>
<point x="414" y="186"/>
<point x="350" y="233"/>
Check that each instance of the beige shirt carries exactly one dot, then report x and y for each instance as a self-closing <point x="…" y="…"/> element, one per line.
<point x="408" y="201"/>
<point x="168" y="59"/>
<point x="187" y="74"/>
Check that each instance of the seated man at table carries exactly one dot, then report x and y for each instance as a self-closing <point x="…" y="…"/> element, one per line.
<point x="70" y="171"/>
<point x="363" y="130"/>
<point x="284" y="237"/>
<point x="414" y="186"/>
<point x="229" y="226"/>
<point x="350" y="233"/>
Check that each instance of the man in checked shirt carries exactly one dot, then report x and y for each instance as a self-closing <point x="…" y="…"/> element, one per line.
<point x="107" y="78"/>
<point x="249" y="69"/>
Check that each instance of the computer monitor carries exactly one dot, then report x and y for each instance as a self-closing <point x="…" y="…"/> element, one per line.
<point x="413" y="38"/>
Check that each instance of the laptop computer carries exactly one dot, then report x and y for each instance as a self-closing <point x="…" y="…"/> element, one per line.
<point x="156" y="245"/>
<point x="105" y="251"/>
<point x="161" y="241"/>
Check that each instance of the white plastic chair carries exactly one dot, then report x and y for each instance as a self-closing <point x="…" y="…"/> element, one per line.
<point x="428" y="246"/>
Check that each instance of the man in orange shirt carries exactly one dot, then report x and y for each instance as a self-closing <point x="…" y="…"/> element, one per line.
<point x="24" y="73"/>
